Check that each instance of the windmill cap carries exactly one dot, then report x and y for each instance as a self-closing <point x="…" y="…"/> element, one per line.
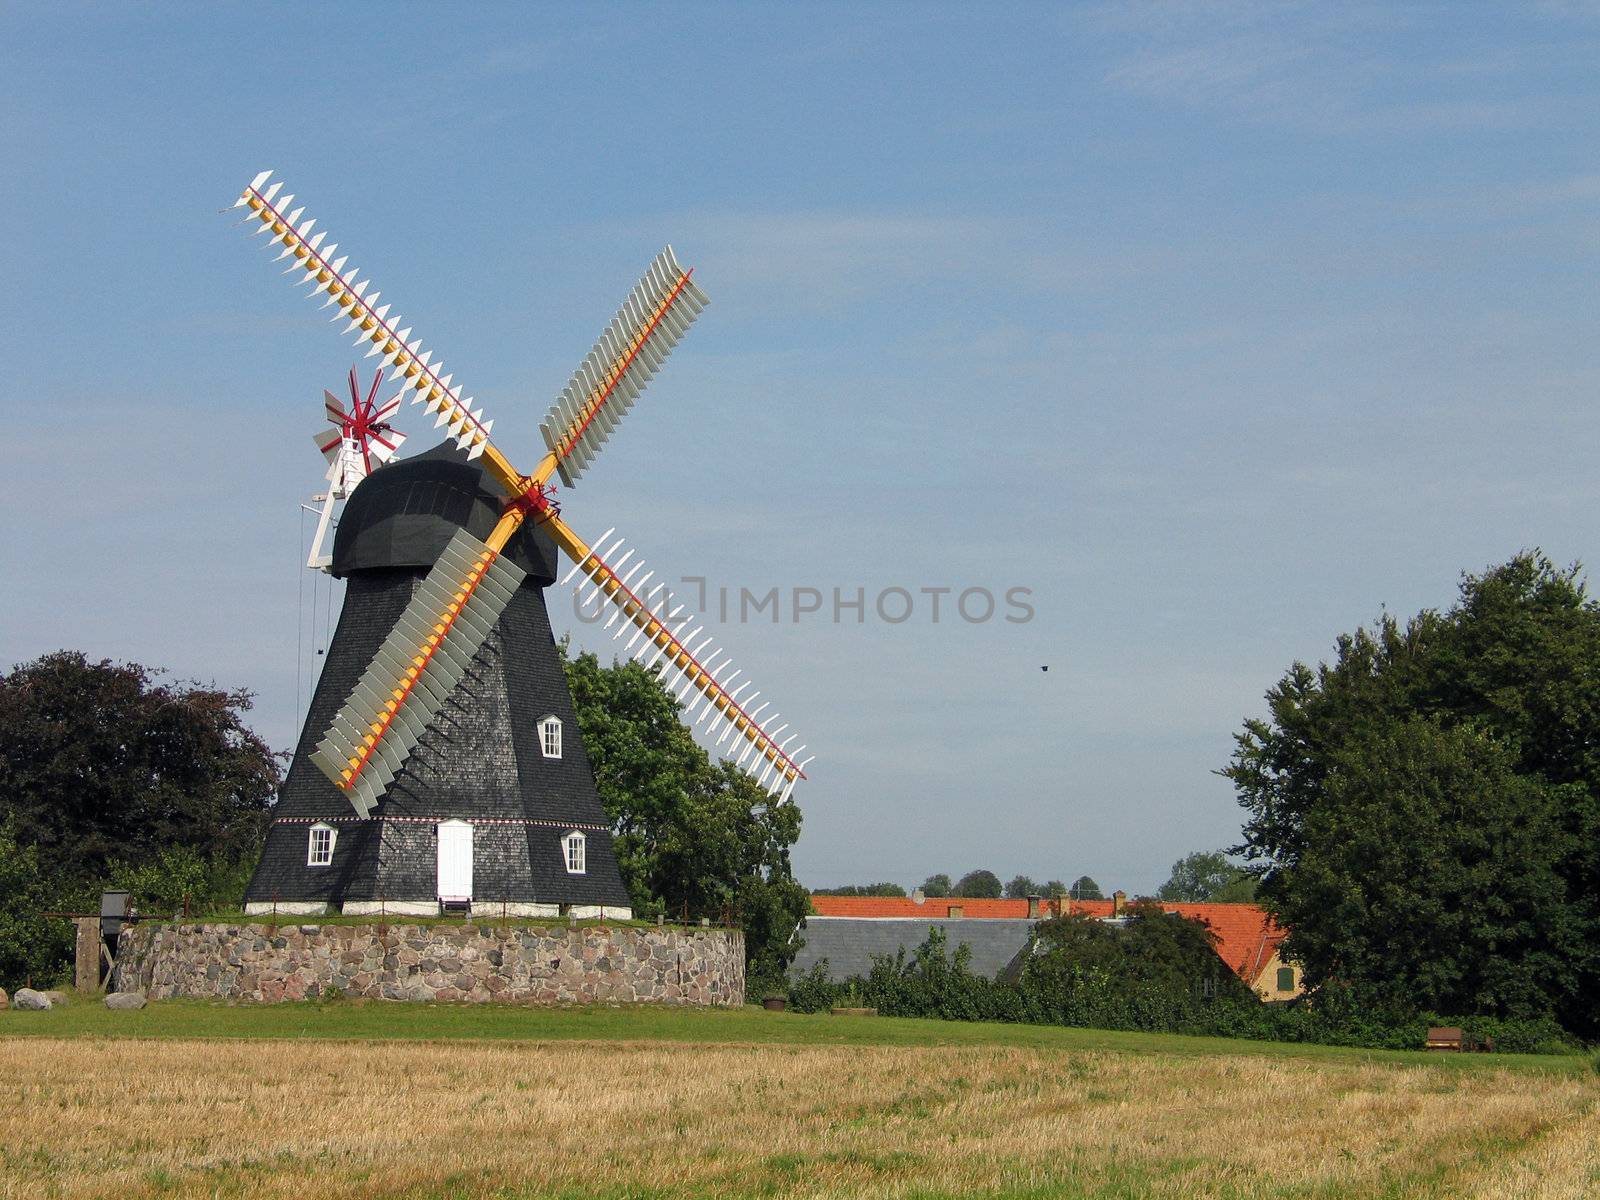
<point x="402" y="515"/>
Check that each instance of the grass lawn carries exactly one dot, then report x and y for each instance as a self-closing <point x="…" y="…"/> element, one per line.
<point x="362" y="1020"/>
<point x="430" y="1101"/>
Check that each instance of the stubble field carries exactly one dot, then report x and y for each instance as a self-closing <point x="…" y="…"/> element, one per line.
<point x="130" y="1117"/>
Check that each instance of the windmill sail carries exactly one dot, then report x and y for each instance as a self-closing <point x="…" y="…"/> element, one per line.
<point x="416" y="369"/>
<point x="649" y="324"/>
<point x="416" y="668"/>
<point x="666" y="635"/>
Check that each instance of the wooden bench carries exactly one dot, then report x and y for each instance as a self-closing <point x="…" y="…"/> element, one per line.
<point x="1453" y="1037"/>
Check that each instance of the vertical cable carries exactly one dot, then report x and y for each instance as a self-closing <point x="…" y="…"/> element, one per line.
<point x="299" y="621"/>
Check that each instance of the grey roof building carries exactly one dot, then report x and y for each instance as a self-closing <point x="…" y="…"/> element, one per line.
<point x="848" y="944"/>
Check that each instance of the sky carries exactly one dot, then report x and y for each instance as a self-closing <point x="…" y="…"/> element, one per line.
<point x="1218" y="328"/>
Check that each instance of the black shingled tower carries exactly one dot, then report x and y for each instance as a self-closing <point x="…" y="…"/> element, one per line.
<point x="480" y="760"/>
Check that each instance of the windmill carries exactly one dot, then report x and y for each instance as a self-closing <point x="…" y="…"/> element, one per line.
<point x="362" y="439"/>
<point x="443" y="662"/>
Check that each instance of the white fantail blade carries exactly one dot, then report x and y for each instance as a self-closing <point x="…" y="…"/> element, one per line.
<point x="720" y="685"/>
<point x="384" y="446"/>
<point x="415" y="669"/>
<point x="651" y="321"/>
<point x="373" y="323"/>
<point x="330" y="442"/>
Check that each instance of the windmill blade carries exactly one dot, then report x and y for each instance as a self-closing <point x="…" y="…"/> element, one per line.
<point x="419" y="373"/>
<point x="416" y="668"/>
<point x="665" y="642"/>
<point x="649" y="324"/>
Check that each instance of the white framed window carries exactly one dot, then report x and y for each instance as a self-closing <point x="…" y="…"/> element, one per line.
<point x="319" y="849"/>
<point x="550" y="736"/>
<point x="573" y="847"/>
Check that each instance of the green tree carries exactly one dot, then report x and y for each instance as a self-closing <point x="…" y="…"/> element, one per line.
<point x="978" y="885"/>
<point x="30" y="945"/>
<point x="691" y="836"/>
<point x="1155" y="952"/>
<point x="1426" y="807"/>
<point x="862" y="889"/>
<point x="179" y="879"/>
<point x="1020" y="887"/>
<point x="100" y="761"/>
<point x="1200" y="876"/>
<point x="1055" y="888"/>
<point x="1085" y="888"/>
<point x="937" y="886"/>
<point x="1242" y="890"/>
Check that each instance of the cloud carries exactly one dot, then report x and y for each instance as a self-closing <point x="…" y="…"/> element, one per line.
<point x="1328" y="69"/>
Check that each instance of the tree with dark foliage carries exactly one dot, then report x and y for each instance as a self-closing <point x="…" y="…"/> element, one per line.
<point x="1424" y="811"/>
<point x="937" y="886"/>
<point x="1154" y="951"/>
<point x="978" y="885"/>
<point x="100" y="761"/>
<point x="103" y="765"/>
<point x="1085" y="888"/>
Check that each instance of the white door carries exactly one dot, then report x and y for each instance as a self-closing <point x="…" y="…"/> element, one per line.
<point x="455" y="860"/>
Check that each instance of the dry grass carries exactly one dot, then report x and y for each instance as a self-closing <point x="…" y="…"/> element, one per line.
<point x="97" y="1117"/>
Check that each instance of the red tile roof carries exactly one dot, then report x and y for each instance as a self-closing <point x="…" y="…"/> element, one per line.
<point x="1246" y="935"/>
<point x="904" y="906"/>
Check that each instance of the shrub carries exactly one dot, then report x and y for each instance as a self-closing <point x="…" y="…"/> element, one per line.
<point x="1151" y="976"/>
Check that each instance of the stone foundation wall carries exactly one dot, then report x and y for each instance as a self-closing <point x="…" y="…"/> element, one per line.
<point x="533" y="964"/>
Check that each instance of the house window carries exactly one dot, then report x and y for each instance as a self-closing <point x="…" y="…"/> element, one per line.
<point x="550" y="736"/>
<point x="1286" y="979"/>
<point x="319" y="851"/>
<point x="573" y="845"/>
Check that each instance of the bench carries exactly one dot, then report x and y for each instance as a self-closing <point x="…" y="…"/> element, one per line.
<point x="1446" y="1037"/>
<point x="1453" y="1037"/>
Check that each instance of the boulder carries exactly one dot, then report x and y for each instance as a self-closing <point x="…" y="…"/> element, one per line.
<point x="5" y="1000"/>
<point x="125" y="1000"/>
<point x="57" y="999"/>
<point x="30" y="1001"/>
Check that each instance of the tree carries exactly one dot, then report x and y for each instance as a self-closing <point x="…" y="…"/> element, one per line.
<point x="99" y="761"/>
<point x="178" y="879"/>
<point x="1241" y="891"/>
<point x="1085" y="889"/>
<point x="691" y="836"/>
<point x="978" y="885"/>
<point x="1424" y="811"/>
<point x="1200" y="876"/>
<point x="1055" y="888"/>
<point x="1021" y="887"/>
<point x="30" y="945"/>
<point x="1154" y="953"/>
<point x="937" y="886"/>
<point x="862" y="889"/>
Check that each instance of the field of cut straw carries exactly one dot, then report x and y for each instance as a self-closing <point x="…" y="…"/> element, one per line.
<point x="95" y="1116"/>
